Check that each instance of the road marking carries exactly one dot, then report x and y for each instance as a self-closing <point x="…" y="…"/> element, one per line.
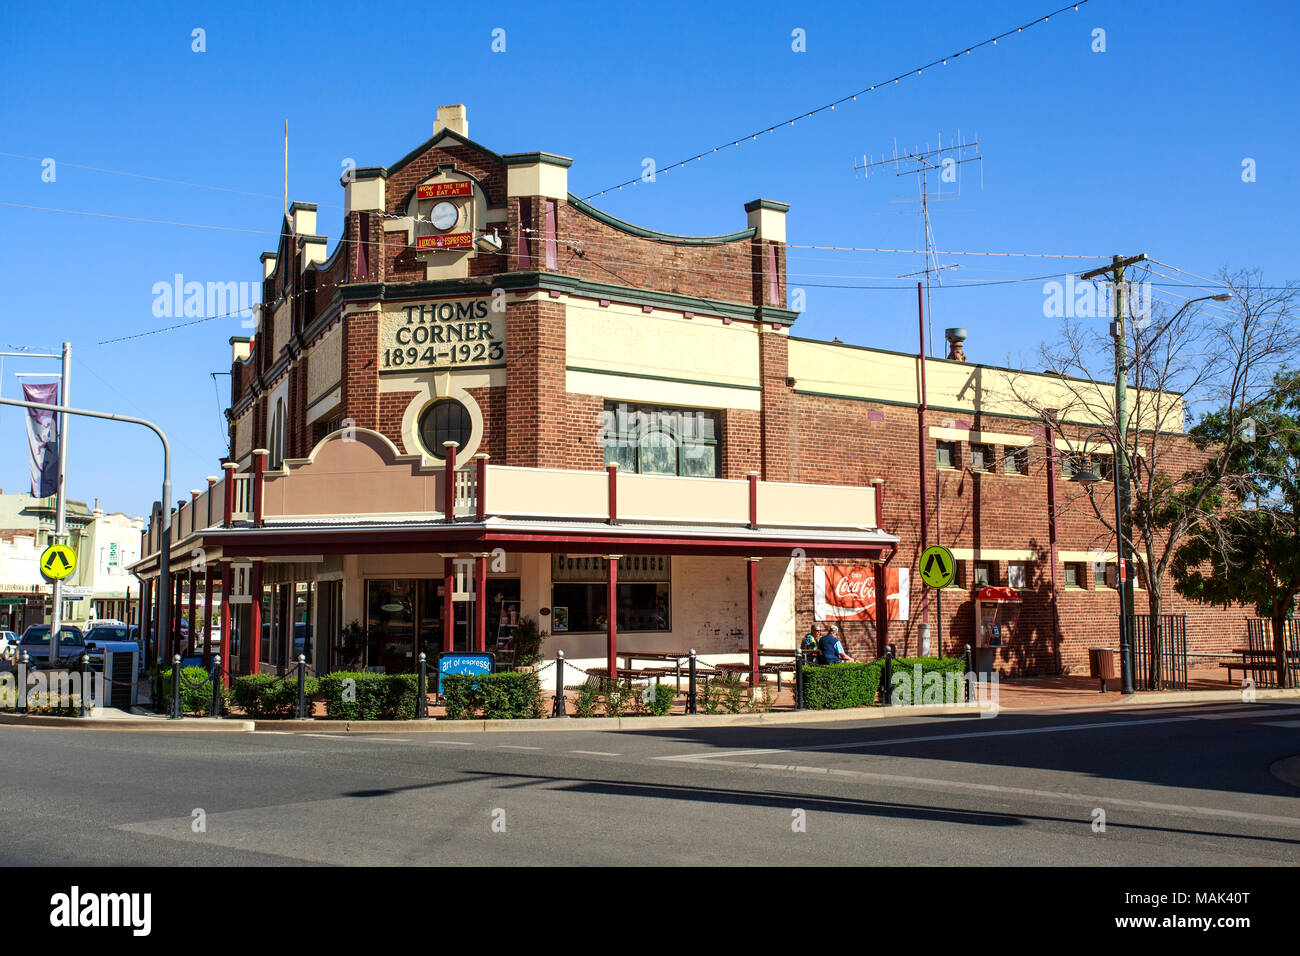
<point x="595" y="753"/>
<point x="1088" y="800"/>
<point x="516" y="747"/>
<point x="1021" y="731"/>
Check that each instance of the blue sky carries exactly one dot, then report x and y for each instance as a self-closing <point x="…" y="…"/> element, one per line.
<point x="1137" y="149"/>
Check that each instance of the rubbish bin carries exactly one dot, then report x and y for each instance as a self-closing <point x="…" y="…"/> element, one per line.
<point x="1101" y="664"/>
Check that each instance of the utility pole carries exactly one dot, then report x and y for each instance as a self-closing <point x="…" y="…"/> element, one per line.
<point x="1119" y="332"/>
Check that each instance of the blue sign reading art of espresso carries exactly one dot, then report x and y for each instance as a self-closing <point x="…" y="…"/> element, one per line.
<point x="463" y="664"/>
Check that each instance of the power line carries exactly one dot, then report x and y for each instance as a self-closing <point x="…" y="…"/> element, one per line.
<point x="156" y="179"/>
<point x="917" y="71"/>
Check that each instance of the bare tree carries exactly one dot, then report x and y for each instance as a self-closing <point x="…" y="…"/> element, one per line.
<point x="1181" y="364"/>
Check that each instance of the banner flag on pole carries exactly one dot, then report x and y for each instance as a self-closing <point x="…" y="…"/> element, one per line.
<point x="43" y="438"/>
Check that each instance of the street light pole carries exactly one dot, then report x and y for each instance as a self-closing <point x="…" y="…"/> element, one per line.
<point x="164" y="536"/>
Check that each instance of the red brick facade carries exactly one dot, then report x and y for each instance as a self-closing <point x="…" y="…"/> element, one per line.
<point x="532" y="420"/>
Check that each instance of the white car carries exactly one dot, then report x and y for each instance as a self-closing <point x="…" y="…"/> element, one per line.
<point x="8" y="641"/>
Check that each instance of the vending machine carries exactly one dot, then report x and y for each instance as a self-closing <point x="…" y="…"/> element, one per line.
<point x="996" y="613"/>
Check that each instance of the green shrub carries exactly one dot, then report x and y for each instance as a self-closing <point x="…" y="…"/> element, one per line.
<point x="50" y="704"/>
<point x="597" y="698"/>
<point x="196" y="690"/>
<point x="904" y="679"/>
<point x="586" y="700"/>
<point x="354" y="695"/>
<point x="834" y="686"/>
<point x="504" y="695"/>
<point x="664" y="697"/>
<point x="267" y="695"/>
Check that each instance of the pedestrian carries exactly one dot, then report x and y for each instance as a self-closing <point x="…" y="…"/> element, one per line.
<point x="832" y="649"/>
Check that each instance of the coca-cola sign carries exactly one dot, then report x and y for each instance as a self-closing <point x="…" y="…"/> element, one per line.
<point x="843" y="592"/>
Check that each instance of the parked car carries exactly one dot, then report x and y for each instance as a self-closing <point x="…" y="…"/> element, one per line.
<point x="8" y="644"/>
<point x="102" y="632"/>
<point x="36" y="644"/>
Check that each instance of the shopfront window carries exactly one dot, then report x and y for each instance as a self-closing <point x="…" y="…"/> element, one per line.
<point x="661" y="440"/>
<point x="579" y="593"/>
<point x="268" y="603"/>
<point x="390" y="626"/>
<point x="304" y="597"/>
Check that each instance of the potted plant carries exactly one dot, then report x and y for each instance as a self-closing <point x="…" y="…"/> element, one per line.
<point x="527" y="643"/>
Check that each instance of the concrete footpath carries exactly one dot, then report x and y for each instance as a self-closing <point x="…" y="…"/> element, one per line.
<point x="118" y="720"/>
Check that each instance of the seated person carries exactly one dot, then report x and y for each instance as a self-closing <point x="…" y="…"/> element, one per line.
<point x="810" y="639"/>
<point x="832" y="650"/>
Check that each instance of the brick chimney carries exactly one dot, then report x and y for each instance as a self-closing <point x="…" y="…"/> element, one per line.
<point x="453" y="118"/>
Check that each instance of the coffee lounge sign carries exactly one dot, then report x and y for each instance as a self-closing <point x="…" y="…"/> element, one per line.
<point x="442" y="334"/>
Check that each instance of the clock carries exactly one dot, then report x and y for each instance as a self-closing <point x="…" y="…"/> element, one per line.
<point x="444" y="216"/>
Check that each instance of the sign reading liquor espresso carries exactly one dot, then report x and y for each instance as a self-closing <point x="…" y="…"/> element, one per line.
<point x="451" y="240"/>
<point x="448" y="333"/>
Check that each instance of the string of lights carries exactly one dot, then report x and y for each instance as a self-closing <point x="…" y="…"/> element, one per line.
<point x="848" y="98"/>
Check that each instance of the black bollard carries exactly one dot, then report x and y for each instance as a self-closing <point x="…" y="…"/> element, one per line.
<point x="970" y="667"/>
<point x="798" y="680"/>
<point x="216" y="685"/>
<point x="559" y="707"/>
<point x="422" y="690"/>
<point x="176" y="687"/>
<point x="887" y="676"/>
<point x="302" y="688"/>
<point x="690" y="696"/>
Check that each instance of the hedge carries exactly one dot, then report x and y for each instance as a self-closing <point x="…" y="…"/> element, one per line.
<point x="266" y="695"/>
<point x="906" y="691"/>
<point x="502" y="696"/>
<point x="196" y="690"/>
<point x="354" y="695"/>
<point x="834" y="686"/>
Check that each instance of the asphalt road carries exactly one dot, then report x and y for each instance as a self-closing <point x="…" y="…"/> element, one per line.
<point x="1178" y="786"/>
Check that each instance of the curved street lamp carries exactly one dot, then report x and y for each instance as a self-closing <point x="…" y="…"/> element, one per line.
<point x="1088" y="478"/>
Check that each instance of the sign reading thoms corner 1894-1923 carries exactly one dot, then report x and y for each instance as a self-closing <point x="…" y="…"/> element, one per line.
<point x="444" y="334"/>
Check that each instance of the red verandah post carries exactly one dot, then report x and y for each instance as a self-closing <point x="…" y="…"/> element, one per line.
<point x="751" y="582"/>
<point x="228" y="513"/>
<point x="448" y="606"/>
<point x="449" y="488"/>
<point x="611" y="614"/>
<point x="480" y="602"/>
<point x="259" y="470"/>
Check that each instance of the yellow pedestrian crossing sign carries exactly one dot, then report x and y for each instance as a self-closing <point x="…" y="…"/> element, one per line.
<point x="57" y="562"/>
<point x="937" y="566"/>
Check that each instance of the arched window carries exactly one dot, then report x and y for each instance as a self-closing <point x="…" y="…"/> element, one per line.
<point x="279" y="428"/>
<point x="443" y="421"/>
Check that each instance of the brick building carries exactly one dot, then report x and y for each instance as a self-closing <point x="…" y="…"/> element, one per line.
<point x="631" y="417"/>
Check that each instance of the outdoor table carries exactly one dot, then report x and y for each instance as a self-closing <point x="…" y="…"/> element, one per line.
<point x="676" y="659"/>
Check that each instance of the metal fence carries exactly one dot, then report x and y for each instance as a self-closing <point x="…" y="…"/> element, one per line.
<point x="1166" y="668"/>
<point x="1259" y="636"/>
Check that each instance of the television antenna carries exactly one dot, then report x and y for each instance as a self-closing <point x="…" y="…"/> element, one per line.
<point x="942" y="164"/>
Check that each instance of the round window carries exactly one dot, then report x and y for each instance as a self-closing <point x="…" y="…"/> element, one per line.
<point x="443" y="421"/>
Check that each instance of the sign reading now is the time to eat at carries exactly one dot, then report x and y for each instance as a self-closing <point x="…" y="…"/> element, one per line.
<point x="441" y="334"/>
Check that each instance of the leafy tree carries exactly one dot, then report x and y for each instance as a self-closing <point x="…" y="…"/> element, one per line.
<point x="1179" y="362"/>
<point x="1251" y="556"/>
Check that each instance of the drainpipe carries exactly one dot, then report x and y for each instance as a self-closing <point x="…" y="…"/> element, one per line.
<point x="1051" y="532"/>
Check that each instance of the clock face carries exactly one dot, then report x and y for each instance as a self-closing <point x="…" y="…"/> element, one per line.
<point x="444" y="215"/>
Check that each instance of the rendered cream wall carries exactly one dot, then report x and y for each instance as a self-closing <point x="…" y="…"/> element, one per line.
<point x="620" y="338"/>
